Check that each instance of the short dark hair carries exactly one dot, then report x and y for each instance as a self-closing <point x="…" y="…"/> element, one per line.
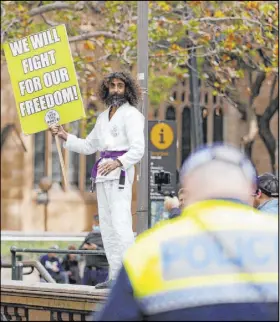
<point x="268" y="184"/>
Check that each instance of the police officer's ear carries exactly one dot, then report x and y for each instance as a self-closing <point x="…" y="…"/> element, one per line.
<point x="258" y="193"/>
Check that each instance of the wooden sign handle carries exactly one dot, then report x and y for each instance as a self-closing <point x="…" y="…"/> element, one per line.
<point x="61" y="162"/>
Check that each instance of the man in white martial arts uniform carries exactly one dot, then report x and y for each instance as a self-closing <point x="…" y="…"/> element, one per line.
<point x="119" y="135"/>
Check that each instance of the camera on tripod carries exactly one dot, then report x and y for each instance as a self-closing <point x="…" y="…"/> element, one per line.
<point x="163" y="178"/>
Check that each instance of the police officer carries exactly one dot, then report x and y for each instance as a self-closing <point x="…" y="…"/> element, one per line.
<point x="217" y="261"/>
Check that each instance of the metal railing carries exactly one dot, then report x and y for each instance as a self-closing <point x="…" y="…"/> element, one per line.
<point x="17" y="312"/>
<point x="32" y="264"/>
<point x="50" y="302"/>
<point x="14" y="250"/>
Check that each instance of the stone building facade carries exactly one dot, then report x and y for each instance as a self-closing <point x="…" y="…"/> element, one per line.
<point x="25" y="159"/>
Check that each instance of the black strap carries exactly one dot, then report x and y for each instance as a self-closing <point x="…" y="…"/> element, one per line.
<point x="121" y="182"/>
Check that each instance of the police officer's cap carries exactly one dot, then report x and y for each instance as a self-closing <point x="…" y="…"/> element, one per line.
<point x="222" y="153"/>
<point x="268" y="184"/>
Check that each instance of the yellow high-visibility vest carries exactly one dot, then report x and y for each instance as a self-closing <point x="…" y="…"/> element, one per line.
<point x="217" y="251"/>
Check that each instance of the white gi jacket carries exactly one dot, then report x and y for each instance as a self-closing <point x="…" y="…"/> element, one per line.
<point x="124" y="132"/>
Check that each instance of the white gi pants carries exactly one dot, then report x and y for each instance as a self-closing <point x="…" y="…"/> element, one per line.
<point x="115" y="219"/>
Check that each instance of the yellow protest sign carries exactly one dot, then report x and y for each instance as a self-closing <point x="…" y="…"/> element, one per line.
<point x="44" y="80"/>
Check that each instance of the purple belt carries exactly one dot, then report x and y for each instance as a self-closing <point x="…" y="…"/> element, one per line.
<point x="108" y="155"/>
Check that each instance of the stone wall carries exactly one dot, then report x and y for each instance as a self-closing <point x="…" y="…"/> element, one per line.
<point x="22" y="301"/>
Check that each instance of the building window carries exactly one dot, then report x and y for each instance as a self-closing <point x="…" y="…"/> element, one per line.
<point x="204" y="116"/>
<point x="170" y="113"/>
<point x="206" y="98"/>
<point x="214" y="99"/>
<point x="156" y="113"/>
<point x="39" y="156"/>
<point x="186" y="133"/>
<point x="218" y="135"/>
<point x="175" y="95"/>
<point x="183" y="97"/>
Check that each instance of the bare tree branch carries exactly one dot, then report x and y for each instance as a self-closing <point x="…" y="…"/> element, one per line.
<point x="253" y="131"/>
<point x="124" y="56"/>
<point x="105" y="57"/>
<point x="272" y="89"/>
<point x="265" y="131"/>
<point x="256" y="22"/>
<point x="5" y="31"/>
<point x="49" y="22"/>
<point x="241" y="61"/>
<point x="57" y="5"/>
<point x="257" y="85"/>
<point x="250" y="111"/>
<point x="235" y="101"/>
<point x="94" y="34"/>
<point x="266" y="60"/>
<point x="271" y="109"/>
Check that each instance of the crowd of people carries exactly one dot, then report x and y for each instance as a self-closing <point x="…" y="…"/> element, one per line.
<point x="67" y="270"/>
<point x="266" y="197"/>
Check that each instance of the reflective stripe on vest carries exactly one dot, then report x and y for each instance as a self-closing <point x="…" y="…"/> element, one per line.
<point x="216" y="251"/>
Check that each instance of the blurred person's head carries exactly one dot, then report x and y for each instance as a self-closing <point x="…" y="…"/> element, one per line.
<point x="268" y="188"/>
<point x="95" y="225"/>
<point x="51" y="255"/>
<point x="72" y="256"/>
<point x="181" y="197"/>
<point x="170" y="203"/>
<point x="218" y="172"/>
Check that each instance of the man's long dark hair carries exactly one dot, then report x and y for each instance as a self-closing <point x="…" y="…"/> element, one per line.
<point x="132" y="89"/>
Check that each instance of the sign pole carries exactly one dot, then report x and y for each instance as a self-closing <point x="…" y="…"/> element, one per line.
<point x="142" y="69"/>
<point x="61" y="162"/>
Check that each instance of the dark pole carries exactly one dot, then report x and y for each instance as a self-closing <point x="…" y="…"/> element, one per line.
<point x="46" y="212"/>
<point x="45" y="184"/>
<point x="142" y="69"/>
<point x="14" y="263"/>
<point x="196" y="119"/>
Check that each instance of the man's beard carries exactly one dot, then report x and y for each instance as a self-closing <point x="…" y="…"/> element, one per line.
<point x="115" y="100"/>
